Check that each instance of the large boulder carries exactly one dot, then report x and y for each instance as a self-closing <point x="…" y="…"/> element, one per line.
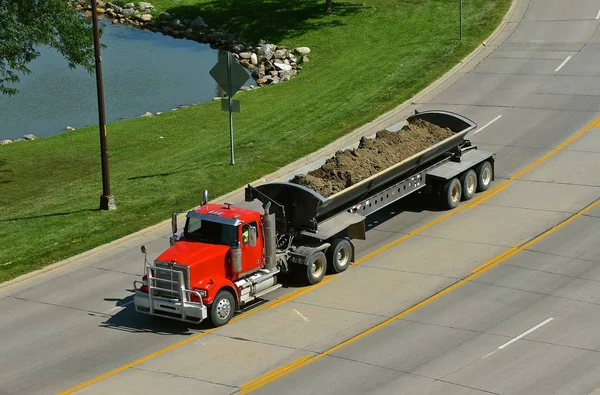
<point x="198" y="24"/>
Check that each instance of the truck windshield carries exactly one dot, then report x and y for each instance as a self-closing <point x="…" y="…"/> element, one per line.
<point x="210" y="232"/>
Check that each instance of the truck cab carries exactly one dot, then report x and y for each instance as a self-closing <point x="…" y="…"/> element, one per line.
<point x="195" y="278"/>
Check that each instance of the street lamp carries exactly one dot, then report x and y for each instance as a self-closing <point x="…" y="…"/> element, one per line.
<point x="107" y="201"/>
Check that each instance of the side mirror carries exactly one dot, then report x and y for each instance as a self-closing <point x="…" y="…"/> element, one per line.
<point x="252" y="236"/>
<point x="174" y="222"/>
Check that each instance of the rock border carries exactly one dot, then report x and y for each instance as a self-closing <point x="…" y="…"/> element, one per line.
<point x="268" y="63"/>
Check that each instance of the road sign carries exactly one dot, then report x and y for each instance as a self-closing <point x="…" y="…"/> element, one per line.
<point x="239" y="75"/>
<point x="230" y="76"/>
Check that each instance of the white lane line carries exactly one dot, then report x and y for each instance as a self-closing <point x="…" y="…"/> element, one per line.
<point x="563" y="63"/>
<point x="487" y="124"/>
<point x="300" y="314"/>
<point x="119" y="307"/>
<point x="598" y="16"/>
<point x="522" y="335"/>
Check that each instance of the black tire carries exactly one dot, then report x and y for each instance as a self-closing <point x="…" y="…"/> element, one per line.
<point x="485" y="174"/>
<point x="468" y="182"/>
<point x="339" y="255"/>
<point x="222" y="308"/>
<point x="315" y="268"/>
<point x="451" y="194"/>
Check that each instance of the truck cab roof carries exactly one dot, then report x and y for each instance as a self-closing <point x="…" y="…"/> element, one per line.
<point x="225" y="213"/>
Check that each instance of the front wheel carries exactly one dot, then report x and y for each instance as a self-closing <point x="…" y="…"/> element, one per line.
<point x="222" y="308"/>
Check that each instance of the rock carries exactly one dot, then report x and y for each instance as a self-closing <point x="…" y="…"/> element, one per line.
<point x="101" y="4"/>
<point x="158" y="113"/>
<point x="245" y="62"/>
<point x="302" y="50"/>
<point x="146" y="115"/>
<point x="111" y="13"/>
<point x="265" y="51"/>
<point x="261" y="80"/>
<point x="146" y="17"/>
<point x="118" y="10"/>
<point x="100" y="11"/>
<point x="145" y="6"/>
<point x="87" y="14"/>
<point x="167" y="29"/>
<point x="29" y="137"/>
<point x="128" y="11"/>
<point x="251" y="67"/>
<point x="282" y="66"/>
<point x="286" y="61"/>
<point x="281" y="47"/>
<point x="245" y="55"/>
<point x="129" y="5"/>
<point x="177" y="25"/>
<point x="253" y="58"/>
<point x="304" y="59"/>
<point x="19" y="140"/>
<point x="165" y="16"/>
<point x="237" y="48"/>
<point x="280" y="54"/>
<point x="4" y="142"/>
<point x="274" y="73"/>
<point x="70" y="128"/>
<point x="198" y="24"/>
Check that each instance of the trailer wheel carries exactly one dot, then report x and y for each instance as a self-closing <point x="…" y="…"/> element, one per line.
<point x="222" y="308"/>
<point x="339" y="255"/>
<point x="484" y="176"/>
<point x="315" y="268"/>
<point x="468" y="181"/>
<point x="452" y="193"/>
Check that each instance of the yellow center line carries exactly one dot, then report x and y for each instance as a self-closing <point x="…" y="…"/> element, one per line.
<point x="503" y="257"/>
<point x="301" y="291"/>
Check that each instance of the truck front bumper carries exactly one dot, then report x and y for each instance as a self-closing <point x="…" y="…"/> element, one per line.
<point x="173" y="308"/>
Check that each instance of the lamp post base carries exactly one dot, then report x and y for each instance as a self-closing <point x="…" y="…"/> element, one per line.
<point x="107" y="202"/>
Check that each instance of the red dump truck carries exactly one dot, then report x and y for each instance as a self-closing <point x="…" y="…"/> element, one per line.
<point x="228" y="257"/>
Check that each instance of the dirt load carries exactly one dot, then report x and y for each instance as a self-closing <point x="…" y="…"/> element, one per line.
<point x="350" y="167"/>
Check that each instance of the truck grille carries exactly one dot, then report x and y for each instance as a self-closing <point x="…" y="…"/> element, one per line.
<point x="168" y="275"/>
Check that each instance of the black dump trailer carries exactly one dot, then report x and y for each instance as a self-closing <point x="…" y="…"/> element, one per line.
<point x="310" y="226"/>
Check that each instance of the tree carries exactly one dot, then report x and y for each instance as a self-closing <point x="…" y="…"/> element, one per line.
<point x="27" y="24"/>
<point x="329" y="5"/>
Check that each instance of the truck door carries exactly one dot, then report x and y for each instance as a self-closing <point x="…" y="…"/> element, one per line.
<point x="251" y="256"/>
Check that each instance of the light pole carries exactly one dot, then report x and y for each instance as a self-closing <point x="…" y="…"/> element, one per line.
<point x="107" y="201"/>
<point x="460" y="12"/>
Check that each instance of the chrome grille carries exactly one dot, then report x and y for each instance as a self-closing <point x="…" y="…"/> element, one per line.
<point x="167" y="275"/>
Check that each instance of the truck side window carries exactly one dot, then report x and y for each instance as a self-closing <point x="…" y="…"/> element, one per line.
<point x="245" y="234"/>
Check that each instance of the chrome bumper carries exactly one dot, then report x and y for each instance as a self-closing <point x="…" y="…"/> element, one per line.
<point x="174" y="309"/>
<point x="178" y="307"/>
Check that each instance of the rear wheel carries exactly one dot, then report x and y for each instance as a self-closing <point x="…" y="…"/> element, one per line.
<point x="222" y="308"/>
<point x="339" y="255"/>
<point x="484" y="176"/>
<point x="468" y="181"/>
<point x="316" y="265"/>
<point x="451" y="193"/>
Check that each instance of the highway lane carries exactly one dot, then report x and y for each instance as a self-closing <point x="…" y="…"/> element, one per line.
<point x="530" y="325"/>
<point x="64" y="328"/>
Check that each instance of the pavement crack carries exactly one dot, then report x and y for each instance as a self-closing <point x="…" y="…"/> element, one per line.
<point x="216" y="334"/>
<point x="379" y="366"/>
<point x="341" y="309"/>
<point x="96" y="313"/>
<point x="369" y="266"/>
<point x="184" y="377"/>
<point x="535" y="292"/>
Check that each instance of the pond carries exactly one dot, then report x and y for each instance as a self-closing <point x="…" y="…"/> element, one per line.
<point x="142" y="72"/>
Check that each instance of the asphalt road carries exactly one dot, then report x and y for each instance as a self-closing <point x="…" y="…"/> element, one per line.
<point x="537" y="85"/>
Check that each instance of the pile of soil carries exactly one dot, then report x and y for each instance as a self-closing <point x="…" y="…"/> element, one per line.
<point x="349" y="167"/>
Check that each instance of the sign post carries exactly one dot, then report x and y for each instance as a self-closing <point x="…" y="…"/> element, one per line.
<point x="230" y="76"/>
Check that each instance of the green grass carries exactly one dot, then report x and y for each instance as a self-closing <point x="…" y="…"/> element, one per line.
<point x="367" y="57"/>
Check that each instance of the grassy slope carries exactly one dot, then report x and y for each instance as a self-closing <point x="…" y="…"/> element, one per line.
<point x="366" y="58"/>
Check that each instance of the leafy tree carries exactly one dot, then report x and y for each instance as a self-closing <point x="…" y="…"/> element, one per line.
<point x="27" y="24"/>
<point x="329" y="5"/>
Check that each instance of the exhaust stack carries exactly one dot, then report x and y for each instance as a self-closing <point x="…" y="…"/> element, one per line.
<point x="270" y="239"/>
